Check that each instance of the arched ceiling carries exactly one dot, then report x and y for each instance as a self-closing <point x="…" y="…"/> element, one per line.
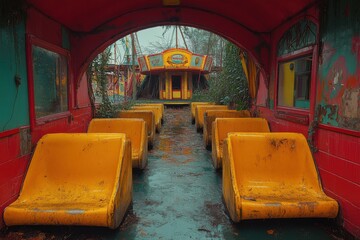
<point x="96" y="23"/>
<point x="258" y="16"/>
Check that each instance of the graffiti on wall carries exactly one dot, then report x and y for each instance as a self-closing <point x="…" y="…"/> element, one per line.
<point x="338" y="88"/>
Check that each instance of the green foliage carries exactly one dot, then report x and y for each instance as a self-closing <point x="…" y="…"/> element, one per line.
<point x="105" y="109"/>
<point x="201" y="96"/>
<point x="125" y="105"/>
<point x="230" y="86"/>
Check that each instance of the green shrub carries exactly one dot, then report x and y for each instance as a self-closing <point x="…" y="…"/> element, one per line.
<point x="230" y="87"/>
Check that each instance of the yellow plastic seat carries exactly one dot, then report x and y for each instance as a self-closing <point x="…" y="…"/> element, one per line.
<point x="199" y="114"/>
<point x="193" y="107"/>
<point x="211" y="115"/>
<point x="272" y="175"/>
<point x="147" y="116"/>
<point x="161" y="105"/>
<point x="157" y="113"/>
<point x="134" y="129"/>
<point x="222" y="126"/>
<point x="75" y="179"/>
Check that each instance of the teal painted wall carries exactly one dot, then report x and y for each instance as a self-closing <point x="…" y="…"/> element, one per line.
<point x="14" y="110"/>
<point x="65" y="38"/>
<point x="338" y="87"/>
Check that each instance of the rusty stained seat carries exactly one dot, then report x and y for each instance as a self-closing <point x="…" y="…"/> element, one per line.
<point x="222" y="126"/>
<point x="75" y="179"/>
<point x="193" y="107"/>
<point x="272" y="175"/>
<point x="199" y="114"/>
<point x="134" y="129"/>
<point x="211" y="115"/>
<point x="147" y="116"/>
<point x="157" y="110"/>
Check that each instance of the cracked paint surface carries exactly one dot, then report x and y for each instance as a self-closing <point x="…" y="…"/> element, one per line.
<point x="338" y="87"/>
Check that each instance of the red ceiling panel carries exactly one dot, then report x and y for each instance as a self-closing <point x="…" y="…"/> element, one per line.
<point x="255" y="15"/>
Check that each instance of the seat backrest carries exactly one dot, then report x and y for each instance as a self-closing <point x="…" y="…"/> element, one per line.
<point x="73" y="161"/>
<point x="146" y="115"/>
<point x="200" y="110"/>
<point x="132" y="127"/>
<point x="156" y="110"/>
<point x="161" y="105"/>
<point x="272" y="159"/>
<point x="194" y="104"/>
<point x="211" y="115"/>
<point x="226" y="125"/>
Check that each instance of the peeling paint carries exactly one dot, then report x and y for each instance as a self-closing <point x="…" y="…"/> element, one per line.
<point x="339" y="66"/>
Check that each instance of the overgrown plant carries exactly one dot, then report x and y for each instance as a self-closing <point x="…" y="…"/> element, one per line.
<point x="105" y="109"/>
<point x="230" y="87"/>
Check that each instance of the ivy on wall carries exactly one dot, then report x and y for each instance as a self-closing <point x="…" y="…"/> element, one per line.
<point x="98" y="72"/>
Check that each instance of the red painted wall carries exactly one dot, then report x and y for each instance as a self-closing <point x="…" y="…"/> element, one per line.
<point x="12" y="168"/>
<point x="338" y="160"/>
<point x="13" y="165"/>
<point x="338" y="151"/>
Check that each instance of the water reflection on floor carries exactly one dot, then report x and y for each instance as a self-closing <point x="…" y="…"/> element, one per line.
<point x="178" y="196"/>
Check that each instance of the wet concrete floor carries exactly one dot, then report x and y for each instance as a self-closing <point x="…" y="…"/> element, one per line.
<point x="178" y="196"/>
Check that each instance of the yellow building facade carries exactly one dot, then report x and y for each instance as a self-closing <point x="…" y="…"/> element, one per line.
<point x="176" y="70"/>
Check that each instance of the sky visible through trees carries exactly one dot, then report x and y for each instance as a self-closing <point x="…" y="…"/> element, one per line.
<point x="158" y="39"/>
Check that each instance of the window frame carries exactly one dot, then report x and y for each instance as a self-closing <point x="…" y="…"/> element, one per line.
<point x="30" y="43"/>
<point x="299" y="115"/>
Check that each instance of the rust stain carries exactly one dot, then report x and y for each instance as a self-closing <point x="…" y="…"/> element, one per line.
<point x="215" y="211"/>
<point x="130" y="220"/>
<point x="277" y="143"/>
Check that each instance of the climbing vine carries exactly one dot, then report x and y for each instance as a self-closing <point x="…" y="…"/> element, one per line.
<point x="98" y="73"/>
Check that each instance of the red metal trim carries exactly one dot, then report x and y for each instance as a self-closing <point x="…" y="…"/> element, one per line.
<point x="313" y="82"/>
<point x="293" y="110"/>
<point x="49" y="46"/>
<point x="296" y="54"/>
<point x="9" y="132"/>
<point x="30" y="74"/>
<point x="340" y="130"/>
<point x="52" y="117"/>
<point x="30" y="41"/>
<point x="297" y="118"/>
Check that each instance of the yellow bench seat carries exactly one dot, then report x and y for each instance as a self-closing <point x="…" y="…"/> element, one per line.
<point x="193" y="107"/>
<point x="157" y="110"/>
<point x="211" y="115"/>
<point x="160" y="105"/>
<point x="147" y="116"/>
<point x="75" y="179"/>
<point x="272" y="175"/>
<point x="134" y="129"/>
<point x="199" y="114"/>
<point x="223" y="126"/>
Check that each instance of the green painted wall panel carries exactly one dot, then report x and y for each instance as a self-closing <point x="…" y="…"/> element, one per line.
<point x="14" y="110"/>
<point x="65" y="38"/>
<point x="338" y="87"/>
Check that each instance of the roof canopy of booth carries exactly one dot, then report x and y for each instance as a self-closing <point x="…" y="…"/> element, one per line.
<point x="177" y="59"/>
